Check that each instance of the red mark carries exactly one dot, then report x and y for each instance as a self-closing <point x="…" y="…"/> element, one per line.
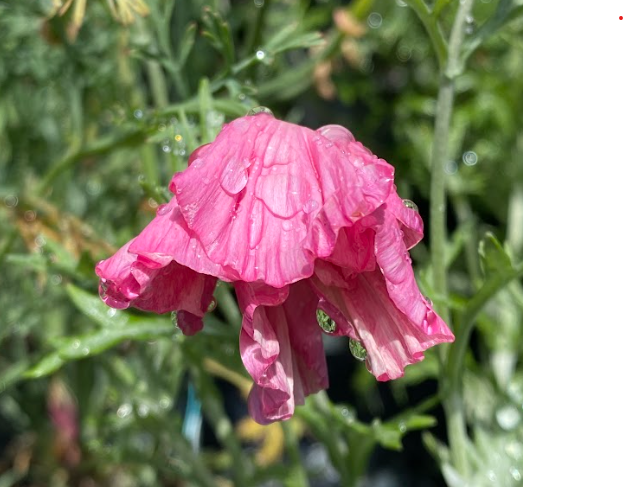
<point x="621" y="17"/>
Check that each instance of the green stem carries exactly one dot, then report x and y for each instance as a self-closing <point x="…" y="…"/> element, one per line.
<point x="299" y="477"/>
<point x="432" y="27"/>
<point x="471" y="244"/>
<point x="453" y="403"/>
<point x="256" y="31"/>
<point x="220" y="422"/>
<point x="227" y="304"/>
<point x="158" y="84"/>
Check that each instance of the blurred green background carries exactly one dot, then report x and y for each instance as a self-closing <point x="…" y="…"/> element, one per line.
<point x="102" y="101"/>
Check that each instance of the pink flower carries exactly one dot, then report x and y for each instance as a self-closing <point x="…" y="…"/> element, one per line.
<point x="299" y="221"/>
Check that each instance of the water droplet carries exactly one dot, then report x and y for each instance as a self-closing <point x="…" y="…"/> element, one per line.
<point x="40" y="241"/>
<point x="470" y="158"/>
<point x="508" y="417"/>
<point x="56" y="279"/>
<point x="165" y="402"/>
<point x="258" y="3"/>
<point x="310" y="205"/>
<point x="450" y="167"/>
<point x="469" y="29"/>
<point x="124" y="410"/>
<point x="11" y="200"/>
<point x="357" y="350"/>
<point x="143" y="410"/>
<point x="410" y="204"/>
<point x="212" y="306"/>
<point x="259" y="110"/>
<point x="469" y="19"/>
<point x="166" y="148"/>
<point x="402" y="427"/>
<point x="178" y="138"/>
<point x="85" y="351"/>
<point x="325" y="322"/>
<point x="103" y="289"/>
<point x="287" y="225"/>
<point x="30" y="216"/>
<point x="375" y="20"/>
<point x="111" y="312"/>
<point x="242" y="96"/>
<point x="76" y="344"/>
<point x="515" y="473"/>
<point x="138" y="114"/>
<point x="491" y="476"/>
<point x="514" y="450"/>
<point x="260" y="55"/>
<point x="163" y="210"/>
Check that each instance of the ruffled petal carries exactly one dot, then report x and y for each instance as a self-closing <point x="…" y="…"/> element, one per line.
<point x="396" y="266"/>
<point x="268" y="197"/>
<point x="281" y="347"/>
<point x="391" y="339"/>
<point x="131" y="280"/>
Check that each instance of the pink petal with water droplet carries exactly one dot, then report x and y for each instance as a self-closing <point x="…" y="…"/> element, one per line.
<point x="281" y="347"/>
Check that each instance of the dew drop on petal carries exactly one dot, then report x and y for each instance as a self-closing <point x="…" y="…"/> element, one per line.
<point x="259" y="110"/>
<point x="410" y="204"/>
<point x="357" y="350"/>
<point x="325" y="322"/>
<point x="163" y="210"/>
<point x="310" y="205"/>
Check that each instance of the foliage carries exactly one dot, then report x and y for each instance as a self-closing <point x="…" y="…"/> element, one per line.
<point x="98" y="108"/>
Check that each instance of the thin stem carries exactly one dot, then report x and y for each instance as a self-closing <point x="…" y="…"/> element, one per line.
<point x="432" y="27"/>
<point x="255" y="36"/>
<point x="299" y="478"/>
<point x="227" y="305"/>
<point x="220" y="422"/>
<point x="453" y="403"/>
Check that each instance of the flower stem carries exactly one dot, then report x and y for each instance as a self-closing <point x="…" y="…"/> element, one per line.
<point x="453" y="403"/>
<point x="299" y="477"/>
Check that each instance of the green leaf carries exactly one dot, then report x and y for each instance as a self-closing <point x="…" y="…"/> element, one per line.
<point x="186" y="44"/>
<point x="94" y="308"/>
<point x="81" y="346"/>
<point x="494" y="258"/>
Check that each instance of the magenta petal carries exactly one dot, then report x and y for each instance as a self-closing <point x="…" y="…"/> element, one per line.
<point x="396" y="265"/>
<point x="131" y="280"/>
<point x="391" y="339"/>
<point x="281" y="347"/>
<point x="189" y="323"/>
<point x="268" y="197"/>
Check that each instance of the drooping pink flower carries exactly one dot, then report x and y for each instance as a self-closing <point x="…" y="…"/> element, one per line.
<point x="299" y="221"/>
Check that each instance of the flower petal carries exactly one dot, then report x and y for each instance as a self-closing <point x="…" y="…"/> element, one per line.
<point x="161" y="287"/>
<point x="281" y="347"/>
<point x="396" y="265"/>
<point x="391" y="339"/>
<point x="268" y="197"/>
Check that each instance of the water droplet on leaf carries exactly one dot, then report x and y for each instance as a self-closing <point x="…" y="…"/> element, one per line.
<point x="212" y="306"/>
